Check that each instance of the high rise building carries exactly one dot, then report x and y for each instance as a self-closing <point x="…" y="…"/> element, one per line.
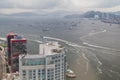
<point x="2" y="63"/>
<point x="10" y="36"/>
<point x="1" y="67"/>
<point x="49" y="64"/>
<point x="18" y="47"/>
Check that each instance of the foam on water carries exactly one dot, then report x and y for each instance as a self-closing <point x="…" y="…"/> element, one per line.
<point x="87" y="62"/>
<point x="66" y="42"/>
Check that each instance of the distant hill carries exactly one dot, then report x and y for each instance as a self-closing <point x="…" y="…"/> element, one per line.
<point x="3" y="14"/>
<point x="24" y="14"/>
<point x="67" y="14"/>
<point x="73" y="16"/>
<point x="40" y="13"/>
<point x="21" y="14"/>
<point x="116" y="13"/>
<point x="91" y="14"/>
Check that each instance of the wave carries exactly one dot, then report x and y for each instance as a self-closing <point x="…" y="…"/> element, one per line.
<point x="87" y="62"/>
<point x="66" y="42"/>
<point x="92" y="34"/>
<point x="95" y="46"/>
<point x="3" y="39"/>
<point x="38" y="41"/>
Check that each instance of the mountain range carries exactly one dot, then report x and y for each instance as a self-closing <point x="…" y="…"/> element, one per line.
<point x="65" y="14"/>
<point x="91" y="14"/>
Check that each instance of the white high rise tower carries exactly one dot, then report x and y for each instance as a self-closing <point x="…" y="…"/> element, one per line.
<point x="49" y="64"/>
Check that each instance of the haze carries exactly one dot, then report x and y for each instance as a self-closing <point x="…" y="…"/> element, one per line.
<point x="17" y="6"/>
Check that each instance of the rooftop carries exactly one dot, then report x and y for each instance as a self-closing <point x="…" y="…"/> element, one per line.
<point x="50" y="48"/>
<point x="46" y="49"/>
<point x="18" y="37"/>
<point x="11" y="33"/>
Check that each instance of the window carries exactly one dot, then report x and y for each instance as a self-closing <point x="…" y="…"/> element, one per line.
<point x="24" y="73"/>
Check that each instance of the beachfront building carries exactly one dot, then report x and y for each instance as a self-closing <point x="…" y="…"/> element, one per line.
<point x="49" y="64"/>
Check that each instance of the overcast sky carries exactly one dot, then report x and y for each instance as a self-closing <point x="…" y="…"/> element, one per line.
<point x="16" y="6"/>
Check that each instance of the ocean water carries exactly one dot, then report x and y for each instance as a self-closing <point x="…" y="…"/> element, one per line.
<point x="93" y="50"/>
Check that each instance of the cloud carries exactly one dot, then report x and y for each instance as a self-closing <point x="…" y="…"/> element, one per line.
<point x="69" y="5"/>
<point x="30" y="4"/>
<point x="108" y="3"/>
<point x="10" y="11"/>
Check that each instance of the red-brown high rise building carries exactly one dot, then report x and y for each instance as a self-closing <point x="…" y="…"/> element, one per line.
<point x="18" y="47"/>
<point x="10" y="36"/>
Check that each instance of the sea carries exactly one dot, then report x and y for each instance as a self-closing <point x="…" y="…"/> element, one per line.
<point x="92" y="47"/>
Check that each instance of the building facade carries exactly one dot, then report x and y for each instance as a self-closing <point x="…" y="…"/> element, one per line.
<point x="1" y="67"/>
<point x="10" y="36"/>
<point x="2" y="63"/>
<point x="18" y="46"/>
<point x="49" y="64"/>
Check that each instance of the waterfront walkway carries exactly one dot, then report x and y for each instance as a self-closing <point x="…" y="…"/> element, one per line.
<point x="2" y="39"/>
